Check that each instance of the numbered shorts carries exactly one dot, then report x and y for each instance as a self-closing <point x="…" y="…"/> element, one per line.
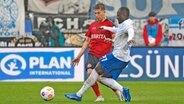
<point x="111" y="66"/>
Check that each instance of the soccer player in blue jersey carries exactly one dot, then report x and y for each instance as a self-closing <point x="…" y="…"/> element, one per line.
<point x="111" y="65"/>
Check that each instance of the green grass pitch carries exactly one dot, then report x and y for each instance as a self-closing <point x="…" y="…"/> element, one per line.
<point x="142" y="93"/>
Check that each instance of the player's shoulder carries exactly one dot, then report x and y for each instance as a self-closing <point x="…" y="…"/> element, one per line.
<point x="108" y="22"/>
<point x="128" y="22"/>
<point x="93" y="24"/>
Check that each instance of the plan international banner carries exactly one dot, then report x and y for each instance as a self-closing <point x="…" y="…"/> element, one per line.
<point x="40" y="64"/>
<point x="12" y="17"/>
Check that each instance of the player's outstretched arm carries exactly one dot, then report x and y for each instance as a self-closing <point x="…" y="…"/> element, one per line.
<point x="112" y="29"/>
<point x="76" y="60"/>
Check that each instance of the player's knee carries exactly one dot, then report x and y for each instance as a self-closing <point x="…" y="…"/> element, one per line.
<point x="89" y="70"/>
<point x="98" y="69"/>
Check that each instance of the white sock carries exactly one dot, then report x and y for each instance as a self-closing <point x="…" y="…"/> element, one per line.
<point x="111" y="83"/>
<point x="88" y="83"/>
<point x="119" y="95"/>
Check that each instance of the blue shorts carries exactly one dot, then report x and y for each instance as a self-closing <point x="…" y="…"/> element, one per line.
<point x="111" y="66"/>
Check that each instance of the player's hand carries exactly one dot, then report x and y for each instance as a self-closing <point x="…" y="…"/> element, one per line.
<point x="75" y="61"/>
<point x="131" y="42"/>
<point x="108" y="40"/>
<point x="151" y="44"/>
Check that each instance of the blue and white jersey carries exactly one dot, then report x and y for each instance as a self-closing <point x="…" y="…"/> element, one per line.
<point x="123" y="33"/>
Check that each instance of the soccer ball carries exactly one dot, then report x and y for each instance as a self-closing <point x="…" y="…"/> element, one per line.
<point x="47" y="93"/>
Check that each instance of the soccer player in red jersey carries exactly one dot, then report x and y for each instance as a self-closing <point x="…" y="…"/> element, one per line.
<point x="97" y="46"/>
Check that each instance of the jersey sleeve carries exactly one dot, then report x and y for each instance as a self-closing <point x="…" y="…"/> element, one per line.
<point x="130" y="30"/>
<point x="130" y="34"/>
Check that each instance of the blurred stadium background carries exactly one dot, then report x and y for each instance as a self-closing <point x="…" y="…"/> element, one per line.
<point x="155" y="74"/>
